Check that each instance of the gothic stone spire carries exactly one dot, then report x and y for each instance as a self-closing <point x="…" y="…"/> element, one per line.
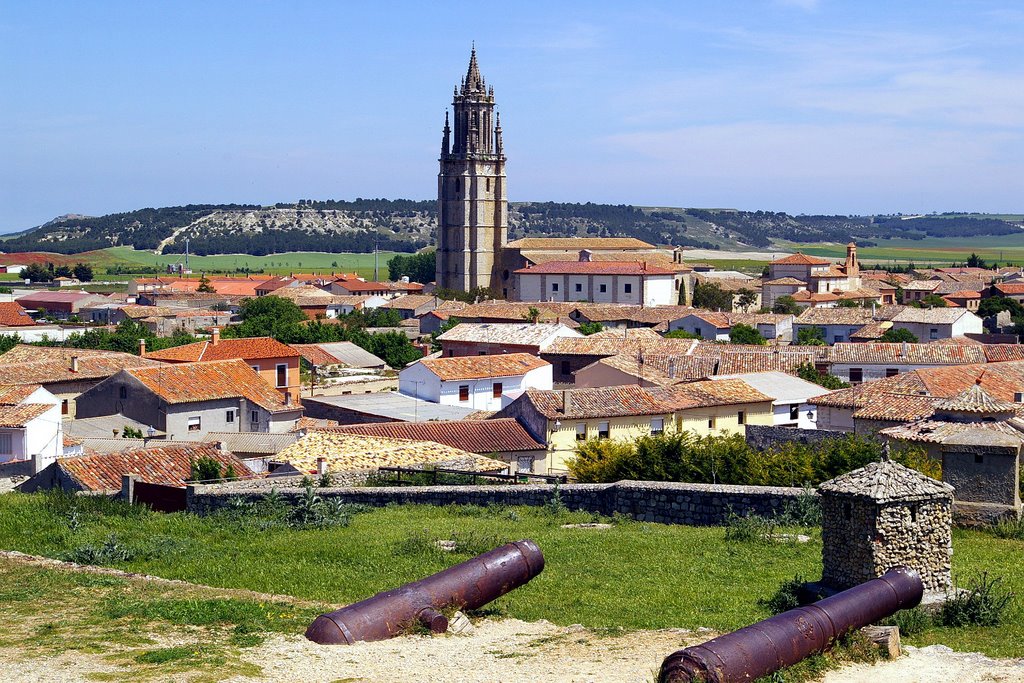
<point x="474" y="82"/>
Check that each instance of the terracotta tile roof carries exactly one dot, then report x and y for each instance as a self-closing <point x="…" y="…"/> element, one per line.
<point x="1001" y="353"/>
<point x="499" y="435"/>
<point x="246" y="348"/>
<point x="1009" y="288"/>
<point x="906" y="354"/>
<point x="498" y="311"/>
<point x="611" y="345"/>
<point x="48" y="365"/>
<point x="814" y="297"/>
<point x="577" y="243"/>
<point x="136" y="311"/>
<point x="742" y="362"/>
<point x="339" y="353"/>
<point x="873" y="330"/>
<point x="20" y="415"/>
<point x="786" y="281"/>
<point x="158" y="465"/>
<point x="410" y="302"/>
<point x="646" y="315"/>
<point x="524" y="333"/>
<point x="13" y="315"/>
<point x="896" y="407"/>
<point x="208" y="381"/>
<point x="835" y="316"/>
<point x="477" y="367"/>
<point x="940" y="316"/>
<point x="940" y="431"/>
<point x="887" y="482"/>
<point x="801" y="259"/>
<point x="632" y="333"/>
<point x="13" y="394"/>
<point x="660" y="369"/>
<point x="708" y="394"/>
<point x="601" y="402"/>
<point x="859" y="395"/>
<point x="595" y="268"/>
<point x="347" y="452"/>
<point x="921" y="285"/>
<point x="975" y="400"/>
<point x="726" y="320"/>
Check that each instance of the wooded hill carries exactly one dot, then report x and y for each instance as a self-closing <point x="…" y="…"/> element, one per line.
<point x="407" y="225"/>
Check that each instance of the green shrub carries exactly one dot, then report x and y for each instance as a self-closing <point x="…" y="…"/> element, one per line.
<point x="111" y="551"/>
<point x="786" y="597"/>
<point x="910" y="621"/>
<point x="1009" y="528"/>
<point x="983" y="603"/>
<point x="804" y="510"/>
<point x="748" y="528"/>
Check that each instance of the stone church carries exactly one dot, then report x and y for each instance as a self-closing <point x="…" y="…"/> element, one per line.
<point x="473" y="250"/>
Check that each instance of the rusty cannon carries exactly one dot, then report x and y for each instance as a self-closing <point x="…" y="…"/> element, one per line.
<point x="785" y="639"/>
<point x="468" y="585"/>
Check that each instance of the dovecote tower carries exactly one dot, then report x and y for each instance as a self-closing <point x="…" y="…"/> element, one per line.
<point x="472" y="201"/>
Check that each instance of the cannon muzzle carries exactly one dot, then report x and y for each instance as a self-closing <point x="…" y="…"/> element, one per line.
<point x="785" y="639"/>
<point x="468" y="585"/>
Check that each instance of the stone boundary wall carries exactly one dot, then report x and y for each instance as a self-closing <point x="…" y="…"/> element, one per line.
<point x="664" y="502"/>
<point x="763" y="437"/>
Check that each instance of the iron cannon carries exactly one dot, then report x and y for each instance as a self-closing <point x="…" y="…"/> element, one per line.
<point x="468" y="585"/>
<point x="785" y="639"/>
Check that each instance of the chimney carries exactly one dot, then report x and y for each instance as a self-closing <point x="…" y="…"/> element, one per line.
<point x="142" y="347"/>
<point x="321" y="466"/>
<point x="586" y="255"/>
<point x="566" y="401"/>
<point x="287" y="398"/>
<point x="671" y="368"/>
<point x="903" y="349"/>
<point x="74" y="363"/>
<point x="215" y="336"/>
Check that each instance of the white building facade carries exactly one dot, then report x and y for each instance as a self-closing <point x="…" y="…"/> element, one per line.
<point x="477" y="382"/>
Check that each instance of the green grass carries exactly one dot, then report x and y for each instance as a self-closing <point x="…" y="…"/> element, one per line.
<point x="928" y="251"/>
<point x="632" y="576"/>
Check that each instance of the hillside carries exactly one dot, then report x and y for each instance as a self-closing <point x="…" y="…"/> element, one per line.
<point x="408" y="225"/>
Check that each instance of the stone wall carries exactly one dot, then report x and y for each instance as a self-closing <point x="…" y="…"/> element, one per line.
<point x="665" y="502"/>
<point x="764" y="437"/>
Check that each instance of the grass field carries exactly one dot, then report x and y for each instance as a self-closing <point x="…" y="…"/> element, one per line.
<point x="929" y="251"/>
<point x="632" y="576"/>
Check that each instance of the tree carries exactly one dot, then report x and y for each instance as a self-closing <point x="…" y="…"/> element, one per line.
<point x="809" y="373"/>
<point x="711" y="296"/>
<point x="532" y="315"/>
<point x="745" y="334"/>
<point x="810" y="336"/>
<point x="975" y="261"/>
<point x="745" y="298"/>
<point x="208" y="469"/>
<point x="82" y="272"/>
<point x="263" y="315"/>
<point x="129" y="432"/>
<point x="849" y="303"/>
<point x="933" y="301"/>
<point x="63" y="271"/>
<point x="37" y="273"/>
<point x="445" y="326"/>
<point x="205" y="286"/>
<point x="786" y="304"/>
<point x="682" y="334"/>
<point x="995" y="305"/>
<point x="587" y="329"/>
<point x="899" y="334"/>
<point x="417" y="267"/>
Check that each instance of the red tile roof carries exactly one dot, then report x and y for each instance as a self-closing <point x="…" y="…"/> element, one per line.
<point x="194" y="382"/>
<point x="13" y="394"/>
<point x="476" y="367"/>
<point x="907" y="354"/>
<point x="168" y="465"/>
<point x="46" y="365"/>
<point x="499" y="435"/>
<point x="595" y="268"/>
<point x="602" y="402"/>
<point x="13" y="315"/>
<point x="20" y="415"/>
<point x="707" y="394"/>
<point x="1009" y="287"/>
<point x="800" y="259"/>
<point x="246" y="348"/>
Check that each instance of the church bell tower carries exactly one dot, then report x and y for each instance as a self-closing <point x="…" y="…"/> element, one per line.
<point x="472" y="201"/>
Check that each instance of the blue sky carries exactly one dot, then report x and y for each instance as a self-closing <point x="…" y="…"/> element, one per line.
<point x="814" y="106"/>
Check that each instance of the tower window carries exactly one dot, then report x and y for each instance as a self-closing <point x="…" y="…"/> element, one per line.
<point x="487" y="183"/>
<point x="458" y="185"/>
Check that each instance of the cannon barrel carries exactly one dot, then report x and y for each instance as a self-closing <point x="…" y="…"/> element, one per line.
<point x="785" y="639"/>
<point x="468" y="585"/>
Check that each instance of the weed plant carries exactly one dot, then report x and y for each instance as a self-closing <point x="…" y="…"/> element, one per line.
<point x="983" y="603"/>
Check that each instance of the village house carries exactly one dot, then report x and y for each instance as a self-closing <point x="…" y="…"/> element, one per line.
<point x="324" y="357"/>
<point x="586" y="279"/>
<point x="929" y="324"/>
<point x="276" y="363"/>
<point x="856" y="363"/>
<point x="479" y="382"/>
<point x="412" y="305"/>
<point x="715" y="326"/>
<point x="102" y="473"/>
<point x="30" y="426"/>
<point x="186" y="400"/>
<point x="61" y="305"/>
<point x="503" y="439"/>
<point x="65" y="372"/>
<point x="627" y="316"/>
<point x="645" y="370"/>
<point x="814" y="281"/>
<point x="790" y="396"/>
<point x="839" y="325"/>
<point x="482" y="339"/>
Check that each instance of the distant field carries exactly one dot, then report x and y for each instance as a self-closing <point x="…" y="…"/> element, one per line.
<point x="931" y="250"/>
<point x="304" y="261"/>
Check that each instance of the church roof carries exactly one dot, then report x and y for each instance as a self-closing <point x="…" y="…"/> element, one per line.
<point x="886" y="481"/>
<point x="801" y="259"/>
<point x="595" y="268"/>
<point x="574" y="244"/>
